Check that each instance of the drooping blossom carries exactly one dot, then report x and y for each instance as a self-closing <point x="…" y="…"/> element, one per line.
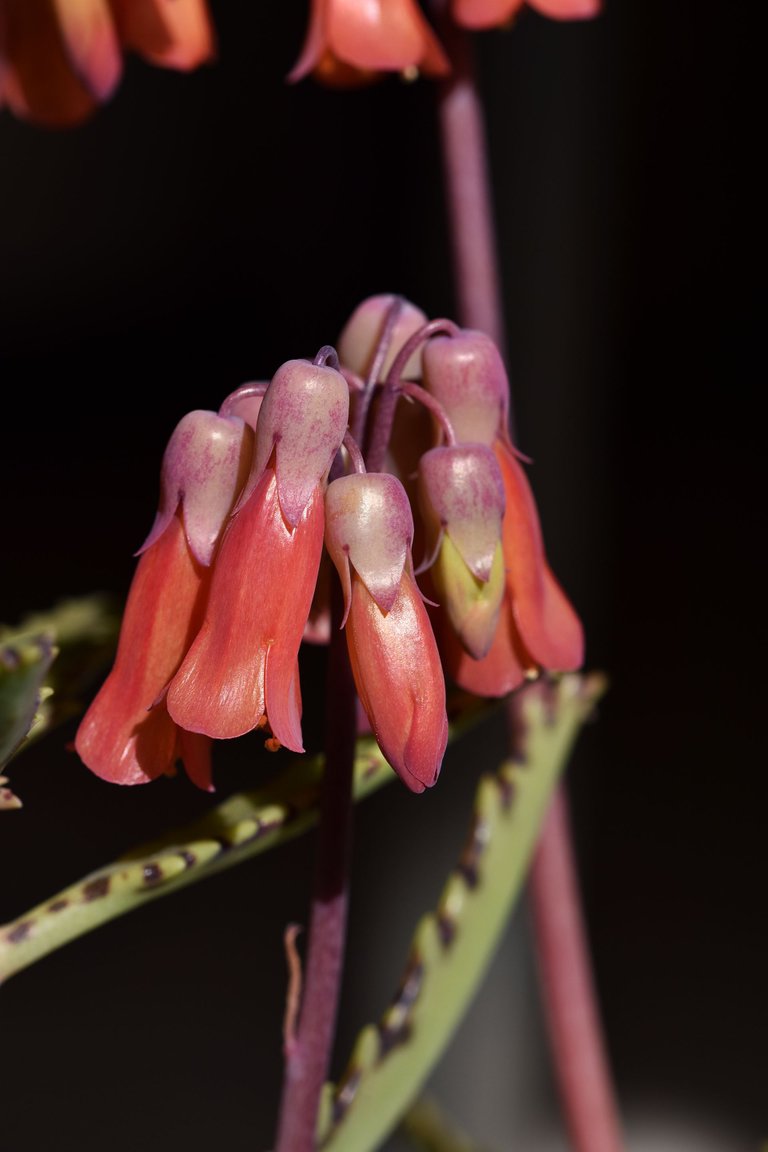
<point x="241" y="671"/>
<point x="478" y="14"/>
<point x="349" y="42"/>
<point x="127" y="735"/>
<point x="393" y="653"/>
<point x="538" y="627"/>
<point x="59" y="59"/>
<point x="462" y="500"/>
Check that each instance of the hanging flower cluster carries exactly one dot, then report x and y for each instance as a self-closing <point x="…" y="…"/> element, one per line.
<point x="59" y="59"/>
<point x="389" y="460"/>
<point x="349" y="42"/>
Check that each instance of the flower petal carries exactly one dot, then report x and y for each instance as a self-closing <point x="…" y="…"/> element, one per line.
<point x="261" y="592"/>
<point x="484" y="13"/>
<point x="549" y="627"/>
<point x="127" y="736"/>
<point x="400" y="681"/>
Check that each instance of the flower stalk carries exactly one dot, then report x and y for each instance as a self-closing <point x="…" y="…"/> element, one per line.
<point x="308" y="1052"/>
<point x="581" y="1064"/>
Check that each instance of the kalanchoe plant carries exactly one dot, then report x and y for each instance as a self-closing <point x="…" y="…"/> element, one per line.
<point x="293" y="515"/>
<point x="228" y="574"/>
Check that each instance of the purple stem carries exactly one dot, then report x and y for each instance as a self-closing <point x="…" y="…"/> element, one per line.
<point x="308" y="1053"/>
<point x="581" y="1064"/>
<point x="575" y="1031"/>
<point x="468" y="190"/>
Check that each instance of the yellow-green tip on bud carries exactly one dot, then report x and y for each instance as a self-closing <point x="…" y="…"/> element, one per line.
<point x="472" y="605"/>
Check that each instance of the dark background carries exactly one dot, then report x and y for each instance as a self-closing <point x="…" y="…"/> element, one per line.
<point x="197" y="232"/>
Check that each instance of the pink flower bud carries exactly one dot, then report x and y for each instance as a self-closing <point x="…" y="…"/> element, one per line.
<point x="467" y="375"/>
<point x="303" y="420"/>
<point x="363" y="331"/>
<point x="461" y="492"/>
<point x="392" y="649"/>
<point x="204" y="468"/>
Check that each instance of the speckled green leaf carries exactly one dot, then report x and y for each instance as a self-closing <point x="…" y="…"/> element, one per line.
<point x="453" y="945"/>
<point x="24" y="663"/>
<point x="235" y="830"/>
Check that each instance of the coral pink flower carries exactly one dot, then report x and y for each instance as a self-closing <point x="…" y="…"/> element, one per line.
<point x="127" y="735"/>
<point x="349" y="40"/>
<point x="242" y="672"/>
<point x="538" y="628"/>
<point x="392" y="649"/>
<point x="59" y="59"/>
<point x="493" y="13"/>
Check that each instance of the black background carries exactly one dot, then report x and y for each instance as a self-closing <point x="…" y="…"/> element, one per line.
<point x="200" y="230"/>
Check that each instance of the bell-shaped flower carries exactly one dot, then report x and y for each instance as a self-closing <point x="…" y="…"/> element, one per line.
<point x="241" y="672"/>
<point x="348" y="41"/>
<point x="59" y="59"/>
<point x="466" y="374"/>
<point x="461" y="495"/>
<point x="127" y="735"/>
<point x="393" y="653"/>
<point x="477" y="14"/>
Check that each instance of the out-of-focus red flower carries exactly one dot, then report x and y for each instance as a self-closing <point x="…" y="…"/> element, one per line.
<point x="351" y="42"/>
<point x="59" y="59"/>
<point x="478" y="14"/>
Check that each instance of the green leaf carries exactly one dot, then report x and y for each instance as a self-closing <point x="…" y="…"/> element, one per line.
<point x="48" y="663"/>
<point x="453" y="945"/>
<point x="24" y="663"/>
<point x="241" y="827"/>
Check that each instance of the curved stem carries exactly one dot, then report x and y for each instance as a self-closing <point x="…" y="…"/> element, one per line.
<point x="308" y="1052"/>
<point x="581" y="1063"/>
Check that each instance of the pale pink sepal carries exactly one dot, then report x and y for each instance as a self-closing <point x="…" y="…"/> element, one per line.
<point x="362" y="333"/>
<point x="174" y="34"/>
<point x="461" y="492"/>
<point x="467" y="375"/>
<point x="240" y="670"/>
<point x="127" y="735"/>
<point x="369" y="524"/>
<point x="399" y="680"/>
<point x="548" y="625"/>
<point x="303" y="419"/>
<point x="205" y="465"/>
